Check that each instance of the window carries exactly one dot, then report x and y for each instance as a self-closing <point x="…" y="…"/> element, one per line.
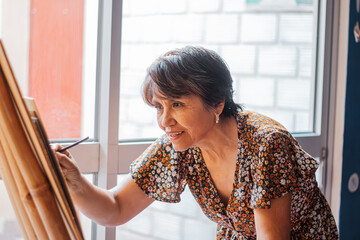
<point x="269" y="46"/>
<point x="279" y="54"/>
<point x="52" y="48"/>
<point x="275" y="51"/>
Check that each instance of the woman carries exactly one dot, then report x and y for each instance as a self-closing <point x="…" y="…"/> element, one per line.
<point x="245" y="170"/>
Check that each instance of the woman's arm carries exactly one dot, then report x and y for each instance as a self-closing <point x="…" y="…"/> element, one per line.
<point x="274" y="223"/>
<point x="109" y="208"/>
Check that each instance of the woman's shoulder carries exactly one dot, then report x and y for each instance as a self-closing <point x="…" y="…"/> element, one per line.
<point x="255" y="123"/>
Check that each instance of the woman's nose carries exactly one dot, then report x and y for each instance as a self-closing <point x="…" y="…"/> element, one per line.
<point x="167" y="120"/>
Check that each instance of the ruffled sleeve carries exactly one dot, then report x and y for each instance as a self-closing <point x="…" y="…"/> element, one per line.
<point x="275" y="172"/>
<point x="159" y="171"/>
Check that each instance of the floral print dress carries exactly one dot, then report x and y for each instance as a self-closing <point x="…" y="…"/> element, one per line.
<point x="270" y="163"/>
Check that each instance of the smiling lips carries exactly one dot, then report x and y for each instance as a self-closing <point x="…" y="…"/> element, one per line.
<point x="174" y="135"/>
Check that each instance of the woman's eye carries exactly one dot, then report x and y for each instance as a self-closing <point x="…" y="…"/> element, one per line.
<point x="176" y="104"/>
<point x="158" y="107"/>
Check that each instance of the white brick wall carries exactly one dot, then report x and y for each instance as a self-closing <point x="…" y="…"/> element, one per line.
<point x="170" y="221"/>
<point x="142" y="7"/>
<point x="183" y="34"/>
<point x="199" y="230"/>
<point x="231" y="6"/>
<point x="205" y="6"/>
<point x="158" y="28"/>
<point x="167" y="226"/>
<point x="172" y="6"/>
<point x="293" y="94"/>
<point x="257" y="92"/>
<point x="277" y="61"/>
<point x="268" y="47"/>
<point x="221" y="28"/>
<point x="305" y="62"/>
<point x="295" y="28"/>
<point x="240" y="58"/>
<point x="258" y="28"/>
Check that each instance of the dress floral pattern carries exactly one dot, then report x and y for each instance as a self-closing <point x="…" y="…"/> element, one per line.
<point x="270" y="163"/>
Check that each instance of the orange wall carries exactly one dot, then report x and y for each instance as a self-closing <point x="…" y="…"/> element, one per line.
<point x="55" y="64"/>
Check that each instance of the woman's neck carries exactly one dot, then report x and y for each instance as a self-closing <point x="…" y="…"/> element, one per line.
<point x="221" y="141"/>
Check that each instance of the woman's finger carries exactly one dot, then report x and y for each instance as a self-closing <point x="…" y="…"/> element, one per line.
<point x="64" y="160"/>
<point x="55" y="147"/>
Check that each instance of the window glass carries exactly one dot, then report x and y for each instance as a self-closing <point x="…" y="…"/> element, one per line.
<point x="52" y="48"/>
<point x="9" y="227"/>
<point x="184" y="220"/>
<point x="86" y="223"/>
<point x="268" y="45"/>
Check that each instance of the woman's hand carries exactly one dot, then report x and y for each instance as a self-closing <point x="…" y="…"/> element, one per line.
<point x="69" y="169"/>
<point x="107" y="207"/>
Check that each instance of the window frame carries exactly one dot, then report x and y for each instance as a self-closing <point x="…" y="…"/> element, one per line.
<point x="107" y="157"/>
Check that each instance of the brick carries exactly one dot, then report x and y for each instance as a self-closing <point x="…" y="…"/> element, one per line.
<point x="277" y="61"/>
<point x="86" y="225"/>
<point x="234" y="5"/>
<point x="257" y="92"/>
<point x="143" y="7"/>
<point x="9" y="229"/>
<point x="306" y="62"/>
<point x="294" y="94"/>
<point x="140" y="112"/>
<point x="122" y="234"/>
<point x="199" y="230"/>
<point x="7" y="213"/>
<point x="131" y="82"/>
<point x="128" y="130"/>
<point x="221" y="28"/>
<point x="203" y="217"/>
<point x="151" y="131"/>
<point x="160" y="206"/>
<point x="296" y="28"/>
<point x="141" y="224"/>
<point x="125" y="55"/>
<point x="172" y="6"/>
<point x="124" y="108"/>
<point x="271" y="5"/>
<point x="142" y="55"/>
<point x="157" y="29"/>
<point x="205" y="6"/>
<point x="258" y="28"/>
<point x="126" y="8"/>
<point x="236" y="85"/>
<point x="261" y="5"/>
<point x="303" y="122"/>
<point x="183" y="33"/>
<point x="214" y="47"/>
<point x="167" y="226"/>
<point x="240" y="58"/>
<point x="285" y="118"/>
<point x="188" y="207"/>
<point x="132" y="29"/>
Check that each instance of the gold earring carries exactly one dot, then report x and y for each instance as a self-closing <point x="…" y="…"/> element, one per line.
<point x="217" y="118"/>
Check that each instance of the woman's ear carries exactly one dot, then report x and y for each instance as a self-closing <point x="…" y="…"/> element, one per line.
<point x="219" y="108"/>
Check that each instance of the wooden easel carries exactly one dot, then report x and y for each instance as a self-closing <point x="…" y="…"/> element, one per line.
<point x="29" y="168"/>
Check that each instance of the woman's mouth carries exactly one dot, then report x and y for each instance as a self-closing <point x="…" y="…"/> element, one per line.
<point x="174" y="135"/>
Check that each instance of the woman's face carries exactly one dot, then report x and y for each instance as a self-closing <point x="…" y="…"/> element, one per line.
<point x="185" y="120"/>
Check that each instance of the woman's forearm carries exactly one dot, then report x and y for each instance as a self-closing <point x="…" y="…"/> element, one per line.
<point x="110" y="207"/>
<point x="96" y="203"/>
